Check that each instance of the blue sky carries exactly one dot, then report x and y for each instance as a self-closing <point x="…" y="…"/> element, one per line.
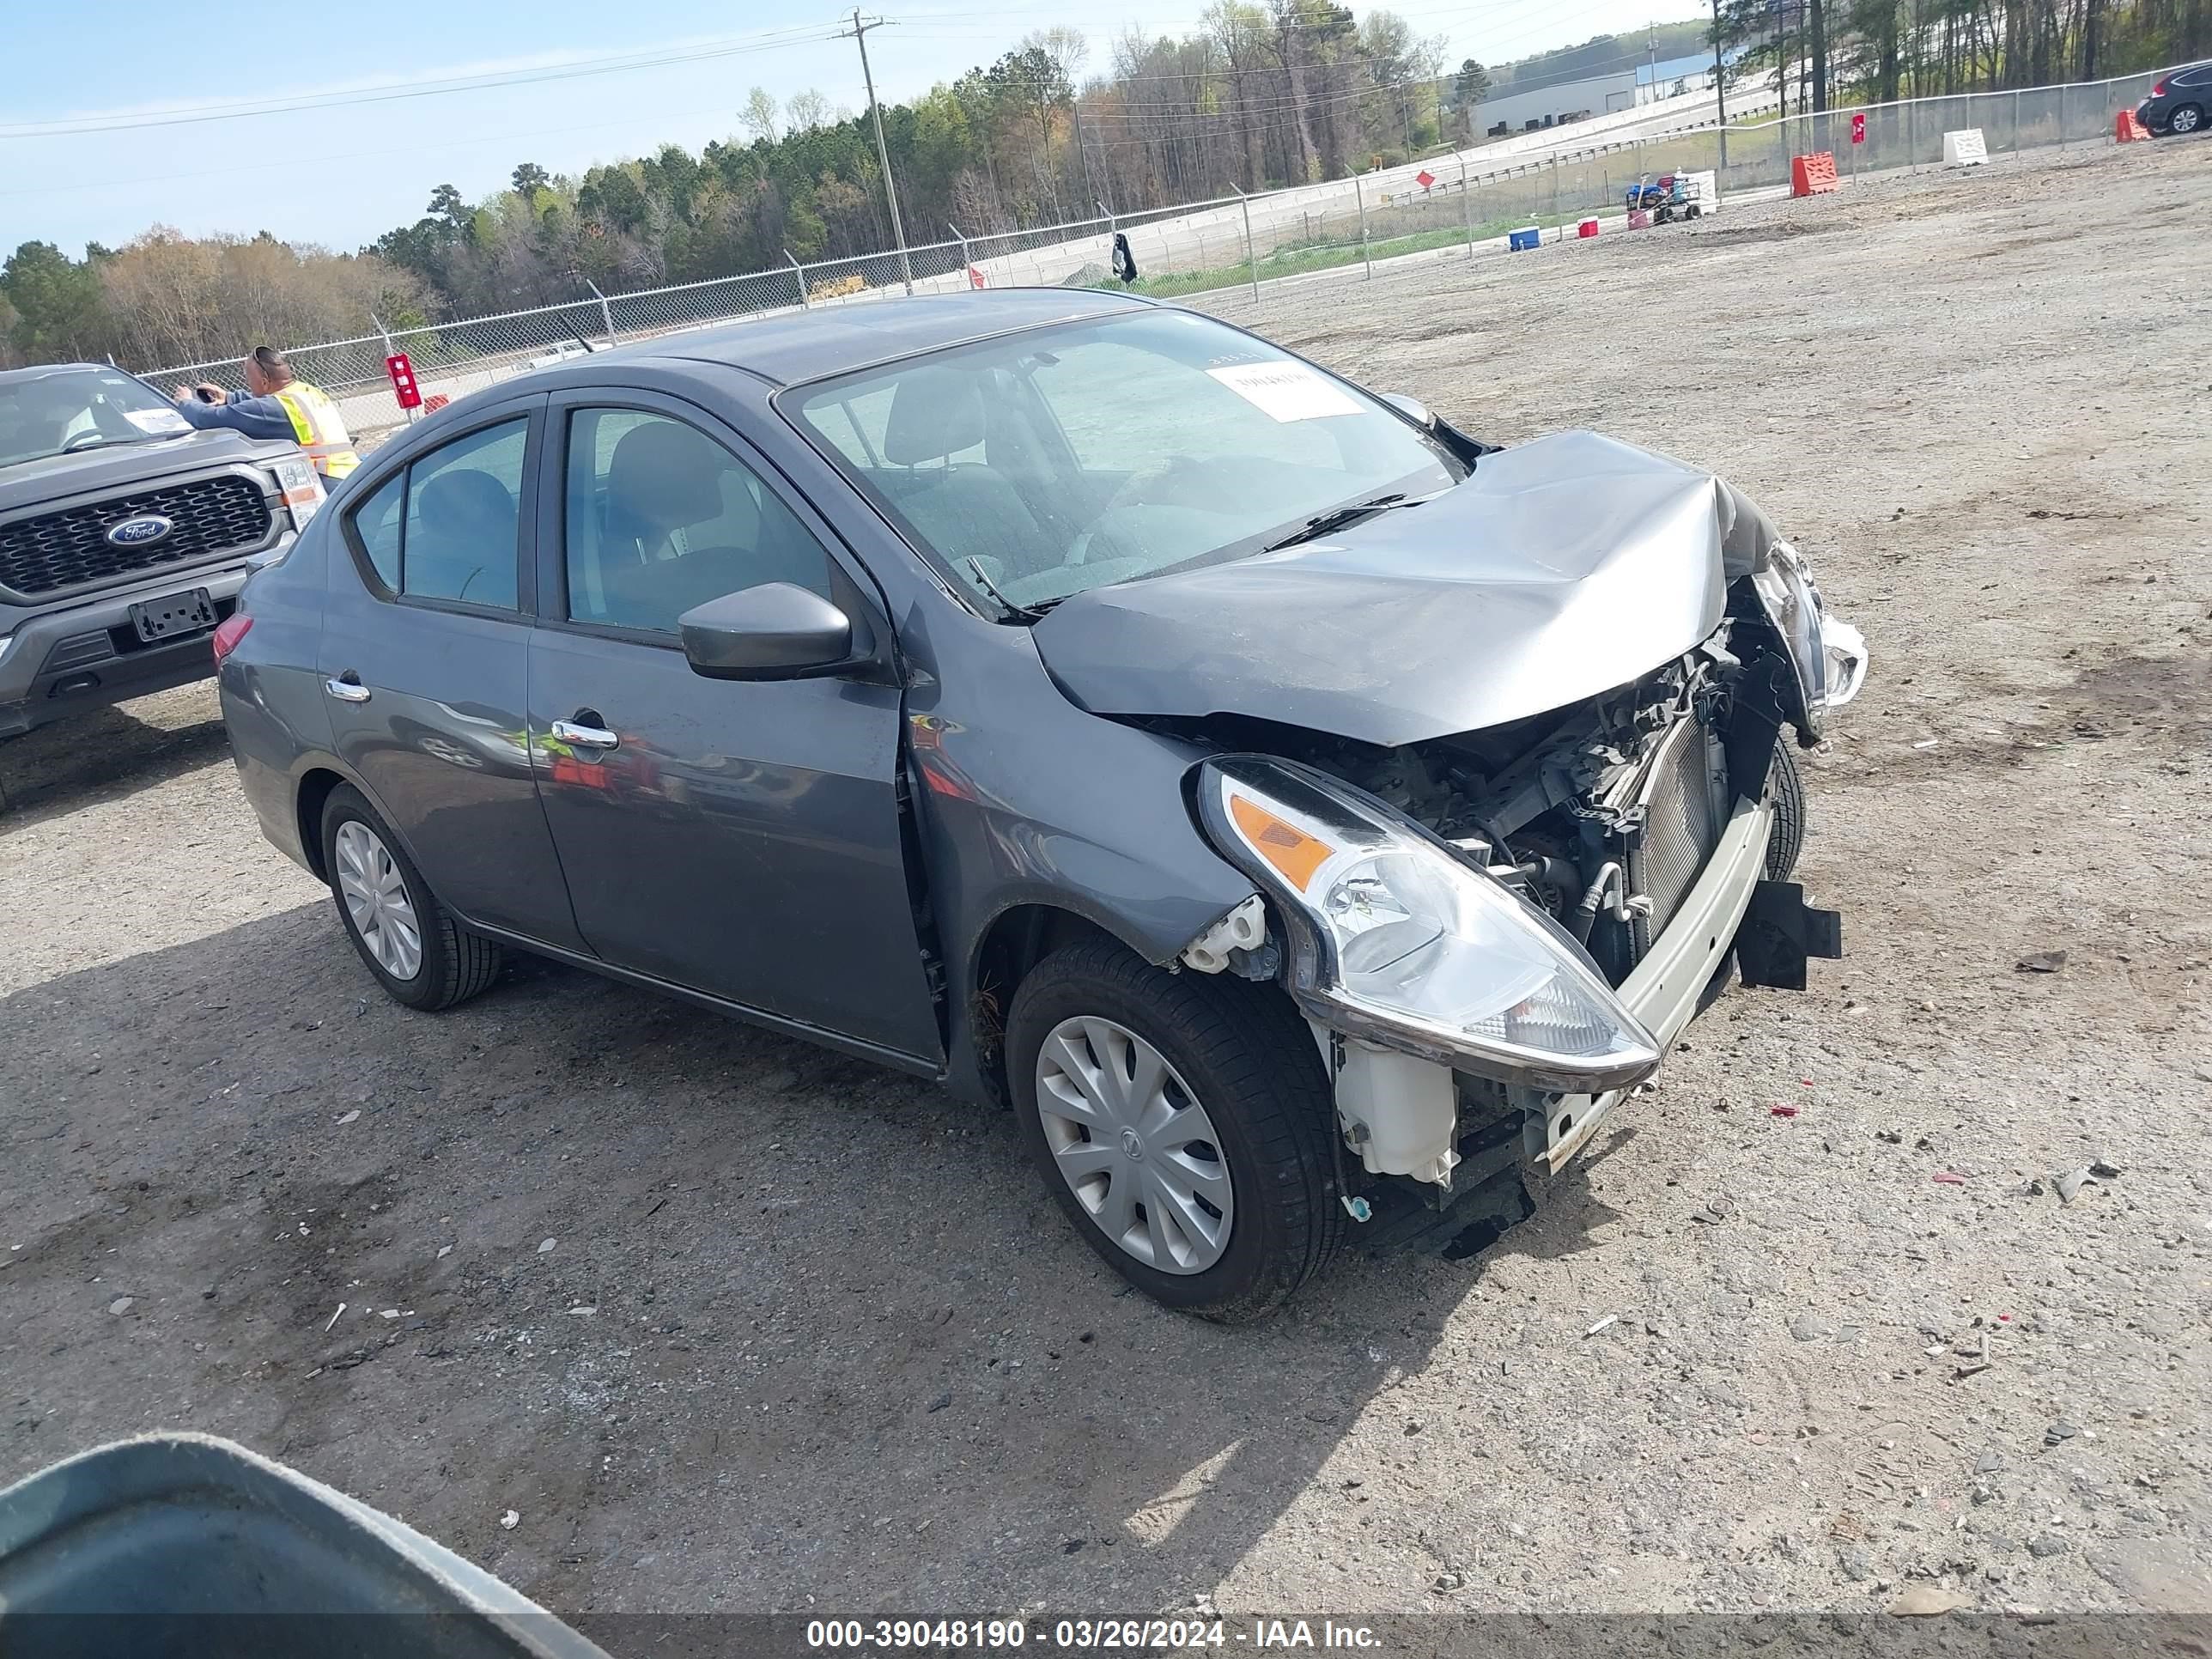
<point x="342" y="175"/>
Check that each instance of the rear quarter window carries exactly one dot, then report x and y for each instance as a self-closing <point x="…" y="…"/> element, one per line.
<point x="376" y="525"/>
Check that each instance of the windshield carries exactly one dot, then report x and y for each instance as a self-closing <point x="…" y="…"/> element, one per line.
<point x="1075" y="456"/>
<point x="78" y="409"/>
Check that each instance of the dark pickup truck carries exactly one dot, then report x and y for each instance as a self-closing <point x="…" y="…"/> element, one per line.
<point x="124" y="537"/>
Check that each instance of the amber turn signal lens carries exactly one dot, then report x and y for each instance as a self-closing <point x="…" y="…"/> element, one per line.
<point x="1293" y="853"/>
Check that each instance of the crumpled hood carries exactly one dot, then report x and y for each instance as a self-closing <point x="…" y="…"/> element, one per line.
<point x="1561" y="568"/>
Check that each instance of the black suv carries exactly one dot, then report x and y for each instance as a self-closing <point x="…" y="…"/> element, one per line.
<point x="2178" y="102"/>
<point x="124" y="537"/>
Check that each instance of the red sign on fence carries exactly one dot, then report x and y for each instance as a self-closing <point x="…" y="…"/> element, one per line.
<point x="976" y="278"/>
<point x="1858" y="127"/>
<point x="403" y="380"/>
<point x="1425" y="178"/>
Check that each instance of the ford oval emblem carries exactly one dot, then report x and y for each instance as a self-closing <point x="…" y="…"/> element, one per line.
<point x="136" y="532"/>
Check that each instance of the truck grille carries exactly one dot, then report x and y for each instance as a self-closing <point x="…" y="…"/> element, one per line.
<point x="69" y="549"/>
<point x="1680" y="826"/>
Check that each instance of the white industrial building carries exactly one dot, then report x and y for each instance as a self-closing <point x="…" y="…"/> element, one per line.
<point x="1523" y="109"/>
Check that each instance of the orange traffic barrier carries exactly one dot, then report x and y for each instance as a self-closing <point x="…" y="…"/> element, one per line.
<point x="1812" y="175"/>
<point x="2126" y="129"/>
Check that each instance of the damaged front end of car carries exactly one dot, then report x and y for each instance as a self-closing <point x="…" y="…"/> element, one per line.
<point x="1496" y="934"/>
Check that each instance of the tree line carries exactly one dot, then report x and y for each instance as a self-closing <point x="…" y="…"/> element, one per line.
<point x="1834" y="52"/>
<point x="1256" y="94"/>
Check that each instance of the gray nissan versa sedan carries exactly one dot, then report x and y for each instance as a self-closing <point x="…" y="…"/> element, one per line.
<point x="1297" y="811"/>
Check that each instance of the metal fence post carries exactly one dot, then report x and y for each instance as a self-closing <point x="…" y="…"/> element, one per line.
<point x="2015" y="120"/>
<point x="606" y="311"/>
<point x="1360" y="195"/>
<point x="1555" y="190"/>
<point x="1466" y="206"/>
<point x="1251" y="252"/>
<point x="2061" y="116"/>
<point x="1912" y="133"/>
<point x="799" y="271"/>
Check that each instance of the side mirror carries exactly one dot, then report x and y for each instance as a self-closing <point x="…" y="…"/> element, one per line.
<point x="1411" y="408"/>
<point x="777" y="631"/>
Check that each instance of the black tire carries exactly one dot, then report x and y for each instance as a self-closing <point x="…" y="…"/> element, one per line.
<point x="1249" y="1059"/>
<point x="1785" y="790"/>
<point x="2184" y="119"/>
<point x="456" y="964"/>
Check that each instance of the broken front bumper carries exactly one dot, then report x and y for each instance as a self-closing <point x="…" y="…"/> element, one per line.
<point x="1400" y="1114"/>
<point x="1664" y="989"/>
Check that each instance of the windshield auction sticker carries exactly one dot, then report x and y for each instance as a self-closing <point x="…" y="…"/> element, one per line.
<point x="1286" y="391"/>
<point x="160" y="422"/>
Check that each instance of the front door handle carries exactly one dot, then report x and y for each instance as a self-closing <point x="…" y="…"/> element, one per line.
<point x="347" y="687"/>
<point x="582" y="736"/>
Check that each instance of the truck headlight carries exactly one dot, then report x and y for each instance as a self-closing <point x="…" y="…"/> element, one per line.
<point x="303" y="487"/>
<point x="1394" y="938"/>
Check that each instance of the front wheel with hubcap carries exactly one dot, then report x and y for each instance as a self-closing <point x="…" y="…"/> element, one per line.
<point x="418" y="952"/>
<point x="1181" y="1120"/>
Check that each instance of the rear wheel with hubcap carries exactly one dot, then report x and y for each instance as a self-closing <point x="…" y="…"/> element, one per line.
<point x="2187" y="119"/>
<point x="410" y="942"/>
<point x="1181" y="1120"/>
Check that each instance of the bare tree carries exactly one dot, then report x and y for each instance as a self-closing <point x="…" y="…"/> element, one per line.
<point x="758" y="117"/>
<point x="1239" y="31"/>
<point x="1068" y="51"/>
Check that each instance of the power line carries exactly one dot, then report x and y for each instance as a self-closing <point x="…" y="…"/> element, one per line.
<point x="769" y="40"/>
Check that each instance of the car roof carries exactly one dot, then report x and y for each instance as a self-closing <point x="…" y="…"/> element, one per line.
<point x="45" y="371"/>
<point x="832" y="339"/>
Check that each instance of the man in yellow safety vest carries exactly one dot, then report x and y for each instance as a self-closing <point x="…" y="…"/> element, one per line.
<point x="276" y="403"/>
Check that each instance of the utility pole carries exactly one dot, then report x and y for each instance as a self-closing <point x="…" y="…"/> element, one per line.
<point x="1782" y="57"/>
<point x="1651" y="46"/>
<point x="1720" y="80"/>
<point x="860" y="32"/>
<point x="1818" y="27"/>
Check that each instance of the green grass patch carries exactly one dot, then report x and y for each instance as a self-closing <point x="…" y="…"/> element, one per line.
<point x="1299" y="259"/>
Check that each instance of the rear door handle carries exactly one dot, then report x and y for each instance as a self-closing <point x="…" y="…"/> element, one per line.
<point x="346" y="688"/>
<point x="585" y="736"/>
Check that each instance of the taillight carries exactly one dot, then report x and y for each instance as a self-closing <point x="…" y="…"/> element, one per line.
<point x="2159" y="91"/>
<point x="228" y="632"/>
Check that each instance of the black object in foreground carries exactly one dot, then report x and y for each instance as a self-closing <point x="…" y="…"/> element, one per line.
<point x="182" y="1544"/>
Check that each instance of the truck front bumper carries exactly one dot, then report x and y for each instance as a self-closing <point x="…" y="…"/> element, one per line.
<point x="87" y="653"/>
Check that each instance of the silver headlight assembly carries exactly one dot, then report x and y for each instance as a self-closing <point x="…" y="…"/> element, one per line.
<point x="1829" y="656"/>
<point x="1396" y="939"/>
<point x="303" y="487"/>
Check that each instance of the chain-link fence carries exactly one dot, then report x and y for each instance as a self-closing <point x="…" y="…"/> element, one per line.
<point x="1451" y="203"/>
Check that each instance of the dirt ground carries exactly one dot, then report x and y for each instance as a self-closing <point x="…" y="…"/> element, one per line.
<point x="730" y="1323"/>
